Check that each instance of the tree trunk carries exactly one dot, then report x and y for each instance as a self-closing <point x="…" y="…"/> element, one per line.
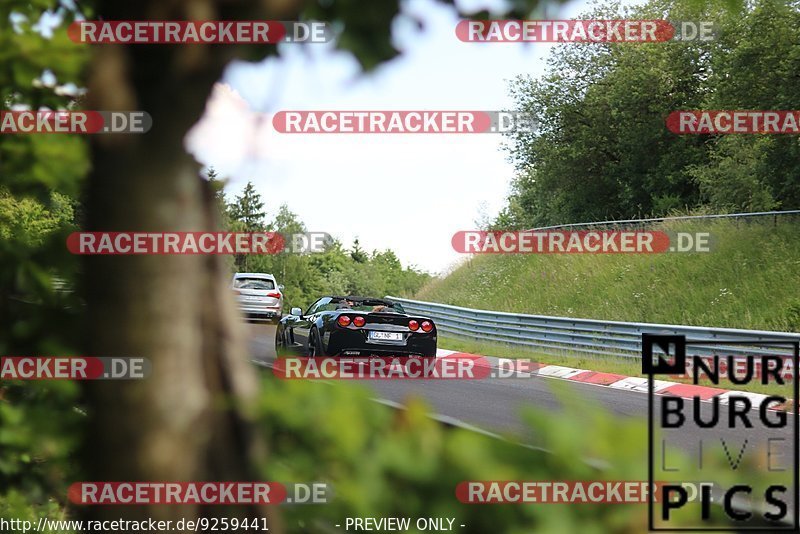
<point x="176" y="311"/>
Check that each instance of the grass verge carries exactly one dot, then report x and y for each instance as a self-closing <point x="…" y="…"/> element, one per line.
<point x="749" y="280"/>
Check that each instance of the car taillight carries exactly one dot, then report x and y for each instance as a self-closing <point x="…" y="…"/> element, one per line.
<point x="427" y="326"/>
<point x="274" y="295"/>
<point x="343" y="320"/>
<point x="359" y="321"/>
<point x="413" y="325"/>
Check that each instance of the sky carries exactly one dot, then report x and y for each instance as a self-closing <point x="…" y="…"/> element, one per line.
<point x="408" y="192"/>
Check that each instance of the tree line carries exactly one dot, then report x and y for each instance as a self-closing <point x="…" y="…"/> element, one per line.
<point x="337" y="270"/>
<point x="602" y="150"/>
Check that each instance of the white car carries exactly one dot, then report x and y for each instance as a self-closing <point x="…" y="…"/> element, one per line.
<point x="259" y="296"/>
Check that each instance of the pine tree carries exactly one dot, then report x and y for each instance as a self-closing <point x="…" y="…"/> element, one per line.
<point x="217" y="186"/>
<point x="358" y="254"/>
<point x="248" y="209"/>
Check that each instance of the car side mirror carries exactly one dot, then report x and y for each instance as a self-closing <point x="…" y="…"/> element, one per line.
<point x="296" y="311"/>
<point x="280" y="287"/>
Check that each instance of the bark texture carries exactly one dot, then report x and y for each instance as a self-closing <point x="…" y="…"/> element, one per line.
<point x="190" y="419"/>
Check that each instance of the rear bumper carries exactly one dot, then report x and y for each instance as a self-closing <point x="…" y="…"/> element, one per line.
<point x="261" y="312"/>
<point x="354" y="343"/>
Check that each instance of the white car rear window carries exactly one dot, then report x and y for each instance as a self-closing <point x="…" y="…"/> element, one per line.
<point x="253" y="283"/>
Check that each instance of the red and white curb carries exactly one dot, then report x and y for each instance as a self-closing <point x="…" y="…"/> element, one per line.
<point x="615" y="381"/>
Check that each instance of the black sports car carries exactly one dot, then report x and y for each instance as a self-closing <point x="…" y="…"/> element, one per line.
<point x="356" y="326"/>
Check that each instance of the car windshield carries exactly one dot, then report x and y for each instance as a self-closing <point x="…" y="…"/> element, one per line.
<point x="367" y="306"/>
<point x="253" y="283"/>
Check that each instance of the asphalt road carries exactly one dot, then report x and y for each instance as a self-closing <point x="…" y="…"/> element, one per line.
<point x="495" y="404"/>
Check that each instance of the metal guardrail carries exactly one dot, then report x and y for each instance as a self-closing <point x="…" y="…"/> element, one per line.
<point x="567" y="335"/>
<point x="644" y="222"/>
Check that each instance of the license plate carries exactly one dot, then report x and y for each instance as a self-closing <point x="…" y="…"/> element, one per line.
<point x="385" y="336"/>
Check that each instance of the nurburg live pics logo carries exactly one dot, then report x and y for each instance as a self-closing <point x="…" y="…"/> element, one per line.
<point x="750" y="428"/>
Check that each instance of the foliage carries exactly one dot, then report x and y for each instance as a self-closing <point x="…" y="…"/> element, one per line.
<point x="248" y="210"/>
<point x="40" y="424"/>
<point x="391" y="463"/>
<point x="39" y="431"/>
<point x="307" y="276"/>
<point x="41" y="178"/>
<point x="603" y="151"/>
